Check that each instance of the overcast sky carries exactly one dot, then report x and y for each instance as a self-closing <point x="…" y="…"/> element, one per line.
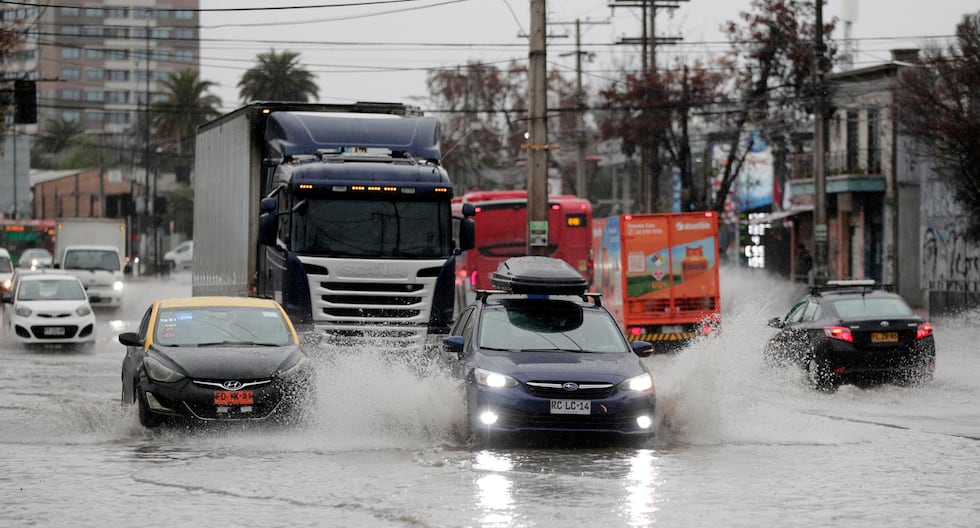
<point x="381" y="50"/>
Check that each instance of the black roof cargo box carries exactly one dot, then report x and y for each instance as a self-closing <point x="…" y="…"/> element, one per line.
<point x="538" y="275"/>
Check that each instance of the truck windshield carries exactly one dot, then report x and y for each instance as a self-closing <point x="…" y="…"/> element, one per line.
<point x="373" y="229"/>
<point x="92" y="259"/>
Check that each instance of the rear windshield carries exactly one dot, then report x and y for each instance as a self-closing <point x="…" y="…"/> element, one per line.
<point x="871" y="308"/>
<point x="221" y="324"/>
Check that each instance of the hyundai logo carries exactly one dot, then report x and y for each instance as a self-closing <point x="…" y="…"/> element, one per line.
<point x="570" y="386"/>
<point x="232" y="385"/>
<point x="884" y="324"/>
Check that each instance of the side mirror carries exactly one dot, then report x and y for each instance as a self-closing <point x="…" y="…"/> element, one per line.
<point x="130" y="339"/>
<point x="268" y="225"/>
<point x="453" y="344"/>
<point x="469" y="210"/>
<point x="776" y="322"/>
<point x="642" y="348"/>
<point x="267" y="205"/>
<point x="467" y="233"/>
<point x="7" y="297"/>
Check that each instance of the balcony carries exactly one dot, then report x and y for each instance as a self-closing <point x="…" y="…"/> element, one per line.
<point x="838" y="163"/>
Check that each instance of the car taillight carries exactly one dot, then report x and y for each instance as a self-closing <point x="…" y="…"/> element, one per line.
<point x="838" y="332"/>
<point x="924" y="330"/>
<point x="473" y="279"/>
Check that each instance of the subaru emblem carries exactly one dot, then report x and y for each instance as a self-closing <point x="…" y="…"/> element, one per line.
<point x="232" y="385"/>
<point x="570" y="386"/>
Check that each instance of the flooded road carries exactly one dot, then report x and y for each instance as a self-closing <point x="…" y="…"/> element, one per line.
<point x="738" y="445"/>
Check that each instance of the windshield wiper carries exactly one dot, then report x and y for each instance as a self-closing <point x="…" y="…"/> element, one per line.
<point x="235" y="343"/>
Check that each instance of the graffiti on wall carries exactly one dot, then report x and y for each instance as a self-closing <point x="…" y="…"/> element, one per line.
<point x="949" y="260"/>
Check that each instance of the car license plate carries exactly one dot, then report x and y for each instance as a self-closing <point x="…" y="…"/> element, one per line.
<point x="571" y="407"/>
<point x="54" y="331"/>
<point x="884" y="337"/>
<point x="233" y="397"/>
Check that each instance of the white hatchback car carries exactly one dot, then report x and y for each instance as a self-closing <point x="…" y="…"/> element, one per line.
<point x="6" y="270"/>
<point x="180" y="257"/>
<point x="48" y="307"/>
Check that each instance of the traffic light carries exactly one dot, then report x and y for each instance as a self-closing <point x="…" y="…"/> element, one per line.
<point x="25" y="101"/>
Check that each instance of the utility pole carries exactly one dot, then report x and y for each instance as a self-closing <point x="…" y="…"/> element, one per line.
<point x="650" y="152"/>
<point x="537" y="148"/>
<point x="820" y="264"/>
<point x="581" y="186"/>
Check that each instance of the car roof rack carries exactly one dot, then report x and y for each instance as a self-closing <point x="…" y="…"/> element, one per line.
<point x="850" y="285"/>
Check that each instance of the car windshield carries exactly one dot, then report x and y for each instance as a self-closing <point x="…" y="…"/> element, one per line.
<point x="51" y="290"/>
<point x="92" y="259"/>
<point x="217" y="325"/>
<point x="871" y="307"/>
<point x="550" y="326"/>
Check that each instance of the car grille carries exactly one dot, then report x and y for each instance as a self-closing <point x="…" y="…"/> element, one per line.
<point x="266" y="402"/>
<point x="511" y="419"/>
<point x="51" y="331"/>
<point x="586" y="390"/>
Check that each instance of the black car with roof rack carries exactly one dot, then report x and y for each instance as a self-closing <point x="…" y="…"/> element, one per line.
<point x="540" y="355"/>
<point x="854" y="331"/>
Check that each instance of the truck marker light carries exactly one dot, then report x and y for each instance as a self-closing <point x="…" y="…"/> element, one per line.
<point x="441" y="189"/>
<point x="357" y="187"/>
<point x="374" y="187"/>
<point x="389" y="189"/>
<point x="305" y="186"/>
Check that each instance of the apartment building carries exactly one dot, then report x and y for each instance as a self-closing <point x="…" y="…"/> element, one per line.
<point x="98" y="62"/>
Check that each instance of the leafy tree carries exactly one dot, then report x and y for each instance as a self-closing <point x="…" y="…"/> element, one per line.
<point x="175" y="120"/>
<point x="771" y="70"/>
<point x="675" y="95"/>
<point x="938" y="102"/>
<point x="55" y="138"/>
<point x="278" y="77"/>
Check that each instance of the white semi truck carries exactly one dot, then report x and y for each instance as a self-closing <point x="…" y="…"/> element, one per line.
<point x="342" y="213"/>
<point x="94" y="249"/>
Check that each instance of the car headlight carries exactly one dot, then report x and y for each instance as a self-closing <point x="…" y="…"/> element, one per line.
<point x="22" y="311"/>
<point x="295" y="372"/>
<point x="157" y="371"/>
<point x="6" y="284"/>
<point x="83" y="310"/>
<point x="489" y="378"/>
<point x="641" y="383"/>
<point x="117" y="286"/>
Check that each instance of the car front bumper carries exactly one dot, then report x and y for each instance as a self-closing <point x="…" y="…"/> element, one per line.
<point x="196" y="399"/>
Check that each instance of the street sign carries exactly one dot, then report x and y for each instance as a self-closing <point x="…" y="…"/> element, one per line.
<point x="538" y="231"/>
<point x="820" y="232"/>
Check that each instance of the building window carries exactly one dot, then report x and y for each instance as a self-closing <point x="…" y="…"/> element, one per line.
<point x="71" y="30"/>
<point x="183" y="14"/>
<point x="161" y="76"/>
<point x="117" y="54"/>
<point x="93" y="12"/>
<point x="71" y="116"/>
<point x="116" y="32"/>
<point x="160" y="54"/>
<point x="184" y="33"/>
<point x="160" y="33"/>
<point x="117" y="97"/>
<point x="95" y="96"/>
<point x="159" y="98"/>
<point x="852" y="142"/>
<point x="94" y="117"/>
<point x="874" y="141"/>
<point x="118" y="75"/>
<point x="71" y="53"/>
<point x="94" y="54"/>
<point x="94" y="74"/>
<point x="117" y="12"/>
<point x="93" y="31"/>
<point x="71" y="95"/>
<point x="71" y="74"/>
<point x="139" y="33"/>
<point x="117" y="118"/>
<point x="184" y="55"/>
<point x="69" y="11"/>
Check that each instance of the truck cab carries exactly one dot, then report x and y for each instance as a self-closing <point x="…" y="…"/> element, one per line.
<point x="100" y="268"/>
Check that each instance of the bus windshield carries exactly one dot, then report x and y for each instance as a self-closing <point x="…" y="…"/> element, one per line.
<point x="373" y="229"/>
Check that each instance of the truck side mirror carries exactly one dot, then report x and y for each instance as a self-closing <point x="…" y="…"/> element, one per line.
<point x="467" y="234"/>
<point x="268" y="225"/>
<point x="267" y="205"/>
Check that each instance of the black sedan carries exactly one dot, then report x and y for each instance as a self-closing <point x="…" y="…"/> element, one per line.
<point x="854" y="331"/>
<point x="215" y="359"/>
<point x="540" y="357"/>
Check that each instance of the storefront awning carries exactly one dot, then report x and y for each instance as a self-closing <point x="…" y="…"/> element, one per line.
<point x="779" y="215"/>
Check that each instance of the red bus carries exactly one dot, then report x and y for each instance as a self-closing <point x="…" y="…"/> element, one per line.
<point x="501" y="233"/>
<point x="18" y="235"/>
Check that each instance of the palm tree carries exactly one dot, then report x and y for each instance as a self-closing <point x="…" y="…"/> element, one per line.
<point x="278" y="77"/>
<point x="175" y="119"/>
<point x="57" y="136"/>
